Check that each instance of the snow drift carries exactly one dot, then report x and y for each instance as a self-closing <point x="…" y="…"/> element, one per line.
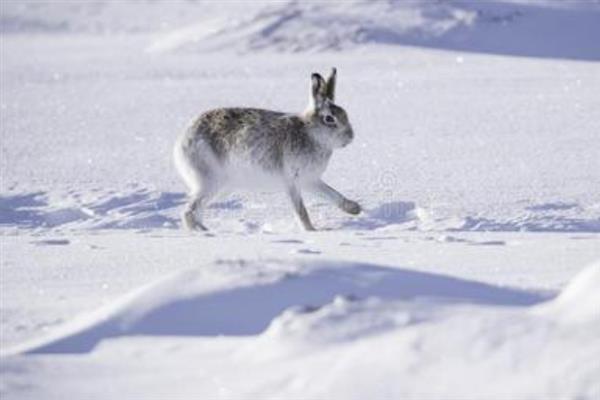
<point x="250" y="295"/>
<point x="346" y="321"/>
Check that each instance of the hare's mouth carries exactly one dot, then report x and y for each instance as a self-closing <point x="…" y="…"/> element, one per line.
<point x="346" y="142"/>
<point x="348" y="137"/>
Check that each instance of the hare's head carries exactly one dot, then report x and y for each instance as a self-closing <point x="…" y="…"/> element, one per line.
<point x="329" y="124"/>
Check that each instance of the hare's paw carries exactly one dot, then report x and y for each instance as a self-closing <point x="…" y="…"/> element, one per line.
<point x="191" y="223"/>
<point x="351" y="207"/>
<point x="308" y="226"/>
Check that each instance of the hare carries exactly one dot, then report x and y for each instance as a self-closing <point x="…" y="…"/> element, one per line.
<point x="236" y="147"/>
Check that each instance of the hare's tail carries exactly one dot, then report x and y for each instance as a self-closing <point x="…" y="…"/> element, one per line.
<point x="183" y="164"/>
<point x="196" y="163"/>
<point x="192" y="167"/>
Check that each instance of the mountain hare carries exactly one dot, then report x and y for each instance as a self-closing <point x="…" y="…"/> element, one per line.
<point x="235" y="147"/>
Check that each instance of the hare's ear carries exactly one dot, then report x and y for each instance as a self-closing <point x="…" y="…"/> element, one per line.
<point x="318" y="87"/>
<point x="330" y="85"/>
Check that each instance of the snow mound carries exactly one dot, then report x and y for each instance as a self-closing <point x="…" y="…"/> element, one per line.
<point x="579" y="302"/>
<point x="243" y="298"/>
<point x="347" y="318"/>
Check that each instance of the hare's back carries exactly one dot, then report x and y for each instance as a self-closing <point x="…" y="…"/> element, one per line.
<point x="225" y="122"/>
<point x="233" y="129"/>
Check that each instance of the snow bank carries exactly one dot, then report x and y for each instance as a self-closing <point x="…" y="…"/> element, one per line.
<point x="525" y="27"/>
<point x="488" y="27"/>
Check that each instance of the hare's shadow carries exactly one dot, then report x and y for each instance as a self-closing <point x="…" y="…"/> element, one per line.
<point x="390" y="213"/>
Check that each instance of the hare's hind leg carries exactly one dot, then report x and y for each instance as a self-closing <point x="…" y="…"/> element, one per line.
<point x="192" y="215"/>
<point x="196" y="166"/>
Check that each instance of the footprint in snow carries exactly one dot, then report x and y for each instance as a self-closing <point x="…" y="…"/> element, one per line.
<point x="308" y="251"/>
<point x="288" y="241"/>
<point x="51" y="242"/>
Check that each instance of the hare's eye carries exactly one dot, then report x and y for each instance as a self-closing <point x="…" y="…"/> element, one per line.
<point x="329" y="119"/>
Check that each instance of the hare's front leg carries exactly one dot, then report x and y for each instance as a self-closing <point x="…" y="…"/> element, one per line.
<point x="349" y="206"/>
<point x="299" y="207"/>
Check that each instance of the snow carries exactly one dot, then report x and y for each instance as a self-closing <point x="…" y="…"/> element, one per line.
<point x="471" y="273"/>
<point x="579" y="301"/>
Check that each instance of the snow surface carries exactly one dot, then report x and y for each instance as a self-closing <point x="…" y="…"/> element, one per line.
<point x="472" y="273"/>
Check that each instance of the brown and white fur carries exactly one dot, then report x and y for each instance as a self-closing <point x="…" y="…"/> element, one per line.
<point x="241" y="147"/>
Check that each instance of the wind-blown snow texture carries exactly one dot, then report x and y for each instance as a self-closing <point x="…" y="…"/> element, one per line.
<point x="475" y="159"/>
